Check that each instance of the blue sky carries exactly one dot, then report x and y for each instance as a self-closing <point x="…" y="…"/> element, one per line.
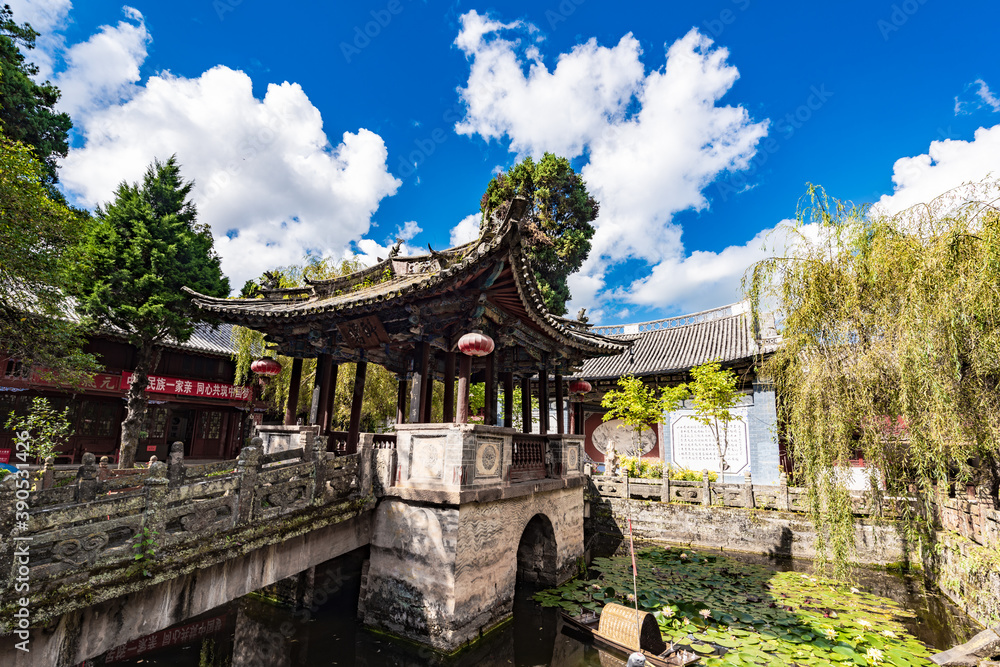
<point x="332" y="128"/>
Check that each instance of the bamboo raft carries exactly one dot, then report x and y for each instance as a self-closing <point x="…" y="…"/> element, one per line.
<point x="617" y="629"/>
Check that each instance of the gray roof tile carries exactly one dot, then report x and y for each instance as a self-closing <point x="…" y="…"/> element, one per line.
<point x="677" y="344"/>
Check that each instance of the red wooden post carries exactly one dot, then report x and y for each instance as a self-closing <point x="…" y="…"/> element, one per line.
<point x="401" y="399"/>
<point x="560" y="420"/>
<point x="508" y="400"/>
<point x="428" y="397"/>
<point x="543" y="399"/>
<point x="464" y="371"/>
<point x="291" y="407"/>
<point x="490" y="409"/>
<point x="354" y="429"/>
<point x="526" y="404"/>
<point x="449" y="388"/>
<point x="417" y="384"/>
<point x="324" y="369"/>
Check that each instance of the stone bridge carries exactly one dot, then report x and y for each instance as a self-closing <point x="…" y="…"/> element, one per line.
<point x="453" y="514"/>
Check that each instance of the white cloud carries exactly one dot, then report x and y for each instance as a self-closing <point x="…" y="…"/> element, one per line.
<point x="466" y="230"/>
<point x="946" y="165"/>
<point x="976" y="96"/>
<point x="559" y="111"/>
<point x="267" y="180"/>
<point x="104" y="70"/>
<point x="47" y="17"/>
<point x="654" y="140"/>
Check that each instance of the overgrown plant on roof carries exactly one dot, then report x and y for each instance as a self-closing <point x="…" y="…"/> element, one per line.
<point x="557" y="225"/>
<point x="891" y="328"/>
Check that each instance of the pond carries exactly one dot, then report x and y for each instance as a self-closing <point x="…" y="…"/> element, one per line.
<point x="251" y="632"/>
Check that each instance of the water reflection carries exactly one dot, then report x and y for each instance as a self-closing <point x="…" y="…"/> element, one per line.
<point x="252" y="633"/>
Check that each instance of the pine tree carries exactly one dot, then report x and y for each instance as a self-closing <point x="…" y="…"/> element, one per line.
<point x="143" y="248"/>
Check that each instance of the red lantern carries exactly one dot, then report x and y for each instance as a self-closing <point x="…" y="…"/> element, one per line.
<point x="266" y="367"/>
<point x="475" y="344"/>
<point x="579" y="387"/>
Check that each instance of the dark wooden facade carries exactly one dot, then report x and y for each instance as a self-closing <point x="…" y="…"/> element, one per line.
<point x="209" y="427"/>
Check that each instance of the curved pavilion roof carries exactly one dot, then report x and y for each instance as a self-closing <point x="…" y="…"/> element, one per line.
<point x="388" y="308"/>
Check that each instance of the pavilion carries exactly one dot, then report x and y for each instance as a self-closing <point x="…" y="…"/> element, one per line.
<point x="412" y="315"/>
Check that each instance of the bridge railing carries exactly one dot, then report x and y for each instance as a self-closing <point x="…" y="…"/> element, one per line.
<point x="134" y="521"/>
<point x="974" y="514"/>
<point x="528" y="457"/>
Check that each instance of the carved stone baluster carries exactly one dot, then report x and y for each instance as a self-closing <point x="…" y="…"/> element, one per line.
<point x="706" y="485"/>
<point x="176" y="465"/>
<point x="247" y="470"/>
<point x="86" y="480"/>
<point x="48" y="474"/>
<point x="783" y="503"/>
<point x="104" y="469"/>
<point x="156" y="486"/>
<point x="748" y="500"/>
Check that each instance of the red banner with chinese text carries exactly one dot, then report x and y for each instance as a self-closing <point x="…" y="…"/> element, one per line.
<point x="166" y="385"/>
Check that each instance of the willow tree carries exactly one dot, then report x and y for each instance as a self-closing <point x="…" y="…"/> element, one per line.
<point x="891" y="352"/>
<point x="557" y="225"/>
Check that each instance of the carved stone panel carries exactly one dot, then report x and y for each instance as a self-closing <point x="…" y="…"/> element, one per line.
<point x="427" y="457"/>
<point x="488" y="457"/>
<point x="572" y="458"/>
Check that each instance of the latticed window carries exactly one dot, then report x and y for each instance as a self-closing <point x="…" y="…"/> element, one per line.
<point x="210" y="425"/>
<point x="15" y="370"/>
<point x="97" y="419"/>
<point x="156" y="422"/>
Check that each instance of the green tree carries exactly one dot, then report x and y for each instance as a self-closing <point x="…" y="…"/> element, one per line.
<point x="557" y="225"/>
<point x="141" y="250"/>
<point x="891" y="348"/>
<point x="713" y="394"/>
<point x="27" y="109"/>
<point x="637" y="406"/>
<point x="36" y="234"/>
<point x="48" y="429"/>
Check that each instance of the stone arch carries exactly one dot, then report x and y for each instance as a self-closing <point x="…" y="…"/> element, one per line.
<point x="537" y="553"/>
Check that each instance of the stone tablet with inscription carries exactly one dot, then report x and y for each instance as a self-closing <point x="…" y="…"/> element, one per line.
<point x="693" y="446"/>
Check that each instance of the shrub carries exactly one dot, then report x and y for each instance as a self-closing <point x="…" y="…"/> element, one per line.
<point x="653" y="469"/>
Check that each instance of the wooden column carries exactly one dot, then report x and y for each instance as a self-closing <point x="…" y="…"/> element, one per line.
<point x="579" y="430"/>
<point x="324" y="368"/>
<point x="572" y="415"/>
<point x="331" y="403"/>
<point x="428" y="398"/>
<point x="526" y="404"/>
<point x="449" y="388"/>
<point x="464" y="371"/>
<point x="401" y="399"/>
<point x="354" y="430"/>
<point x="560" y="404"/>
<point x="291" y="407"/>
<point x="543" y="399"/>
<point x="508" y="400"/>
<point x="490" y="409"/>
<point x="417" y="384"/>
